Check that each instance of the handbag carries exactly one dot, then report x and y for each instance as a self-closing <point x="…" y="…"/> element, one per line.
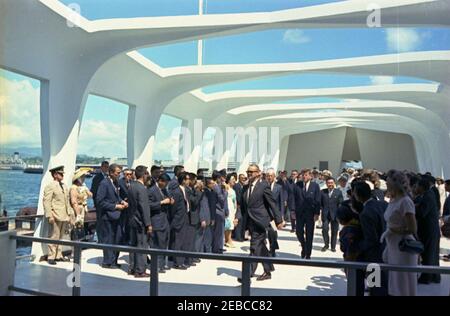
<point x="77" y="233"/>
<point x="228" y="223"/>
<point x="445" y="229"/>
<point x="412" y="246"/>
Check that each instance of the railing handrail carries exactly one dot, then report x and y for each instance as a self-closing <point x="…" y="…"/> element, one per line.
<point x="9" y="218"/>
<point x="239" y="258"/>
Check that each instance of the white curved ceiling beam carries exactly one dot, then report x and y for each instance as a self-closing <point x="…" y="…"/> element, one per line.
<point x="431" y="65"/>
<point x="320" y="112"/>
<point x="141" y="79"/>
<point x="429" y="96"/>
<point x="352" y="13"/>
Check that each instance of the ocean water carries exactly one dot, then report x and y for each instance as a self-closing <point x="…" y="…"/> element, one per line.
<point x="18" y="190"/>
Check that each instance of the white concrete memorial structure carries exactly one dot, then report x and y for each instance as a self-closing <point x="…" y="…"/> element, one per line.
<point x="74" y="57"/>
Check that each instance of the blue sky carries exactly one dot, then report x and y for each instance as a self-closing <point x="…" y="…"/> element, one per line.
<point x="20" y="95"/>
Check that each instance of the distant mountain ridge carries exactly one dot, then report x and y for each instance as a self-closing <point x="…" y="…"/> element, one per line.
<point x="25" y="152"/>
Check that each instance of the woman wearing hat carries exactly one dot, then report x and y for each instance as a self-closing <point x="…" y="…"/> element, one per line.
<point x="79" y="194"/>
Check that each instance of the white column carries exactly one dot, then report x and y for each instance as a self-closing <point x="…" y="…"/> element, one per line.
<point x="61" y="104"/>
<point x="192" y="155"/>
<point x="225" y="158"/>
<point x="283" y="152"/>
<point x="142" y="125"/>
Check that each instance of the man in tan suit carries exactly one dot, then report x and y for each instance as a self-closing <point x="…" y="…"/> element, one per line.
<point x="57" y="212"/>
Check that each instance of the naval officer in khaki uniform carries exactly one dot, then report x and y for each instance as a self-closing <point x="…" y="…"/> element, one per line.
<point x="57" y="212"/>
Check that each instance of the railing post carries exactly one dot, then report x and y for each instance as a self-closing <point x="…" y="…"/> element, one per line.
<point x="76" y="287"/>
<point x="7" y="261"/>
<point x="245" y="287"/>
<point x="351" y="282"/>
<point x="154" y="275"/>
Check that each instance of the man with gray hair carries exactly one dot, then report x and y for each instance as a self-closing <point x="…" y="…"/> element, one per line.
<point x="260" y="208"/>
<point x="276" y="192"/>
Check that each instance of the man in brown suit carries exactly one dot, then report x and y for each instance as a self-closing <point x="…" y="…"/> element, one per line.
<point x="57" y="212"/>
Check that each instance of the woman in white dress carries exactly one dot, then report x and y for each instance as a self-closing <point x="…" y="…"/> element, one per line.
<point x="231" y="220"/>
<point x="400" y="224"/>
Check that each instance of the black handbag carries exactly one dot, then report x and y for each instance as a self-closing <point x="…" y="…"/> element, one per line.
<point x="77" y="233"/>
<point x="411" y="246"/>
<point x="445" y="229"/>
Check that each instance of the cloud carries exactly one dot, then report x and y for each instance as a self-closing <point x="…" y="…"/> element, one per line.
<point x="166" y="140"/>
<point x="102" y="138"/>
<point x="380" y="80"/>
<point x="404" y="39"/>
<point x="295" y="36"/>
<point x="19" y="113"/>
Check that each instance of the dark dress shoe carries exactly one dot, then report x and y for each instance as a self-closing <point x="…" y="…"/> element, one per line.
<point x="51" y="262"/>
<point x="63" y="259"/>
<point x="423" y="281"/>
<point x="180" y="267"/>
<point x="264" y="276"/>
<point x="196" y="260"/>
<point x="107" y="266"/>
<point x="292" y="230"/>
<point x="333" y="250"/>
<point x="141" y="275"/>
<point x="308" y="257"/>
<point x="161" y="270"/>
<point x="131" y="272"/>
<point x="116" y="266"/>
<point x="436" y="278"/>
<point x="193" y="264"/>
<point x="251" y="276"/>
<point x="324" y="248"/>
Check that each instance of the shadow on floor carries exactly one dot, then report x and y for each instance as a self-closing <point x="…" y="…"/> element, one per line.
<point x="54" y="280"/>
<point x="230" y="272"/>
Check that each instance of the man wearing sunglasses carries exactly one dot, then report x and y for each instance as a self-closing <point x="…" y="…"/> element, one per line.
<point x="260" y="209"/>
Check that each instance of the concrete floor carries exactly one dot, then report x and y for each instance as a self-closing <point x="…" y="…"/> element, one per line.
<point x="209" y="278"/>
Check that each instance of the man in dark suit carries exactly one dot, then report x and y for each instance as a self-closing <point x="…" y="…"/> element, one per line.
<point x="160" y="204"/>
<point x="434" y="189"/>
<point x="155" y="172"/>
<point x="260" y="208"/>
<point x="373" y="225"/>
<point x="221" y="212"/>
<point x="239" y="231"/>
<point x="307" y="199"/>
<point x="446" y="209"/>
<point x="277" y="196"/>
<point x="211" y="198"/>
<point x="177" y="171"/>
<point x="283" y="182"/>
<point x="292" y="182"/>
<point x="140" y="222"/>
<point x="204" y="217"/>
<point x="103" y="174"/>
<point x="331" y="200"/>
<point x="179" y="219"/>
<point x="124" y="185"/>
<point x="110" y="207"/>
<point x="193" y="226"/>
<point x="428" y="230"/>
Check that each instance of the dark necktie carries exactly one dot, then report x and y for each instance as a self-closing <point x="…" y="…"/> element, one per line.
<point x="250" y="189"/>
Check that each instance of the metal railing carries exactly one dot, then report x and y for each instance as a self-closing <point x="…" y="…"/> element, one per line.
<point x="351" y="267"/>
<point x="19" y="217"/>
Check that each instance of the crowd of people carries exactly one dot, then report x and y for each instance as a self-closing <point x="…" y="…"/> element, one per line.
<point x="372" y="216"/>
